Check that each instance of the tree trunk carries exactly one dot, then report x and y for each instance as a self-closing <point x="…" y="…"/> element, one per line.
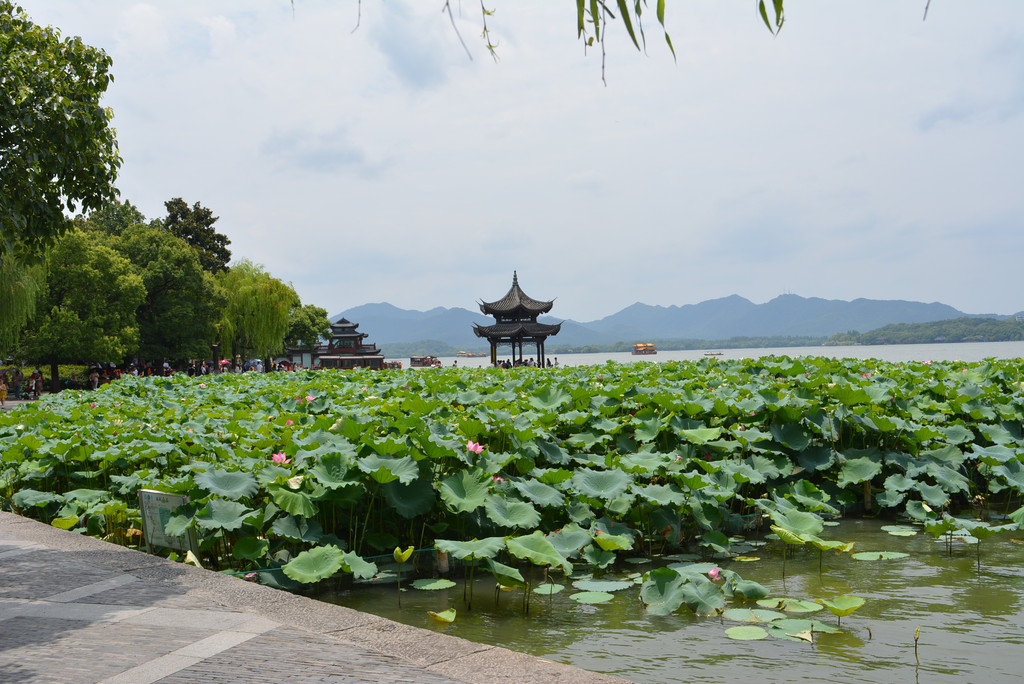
<point x="54" y="376"/>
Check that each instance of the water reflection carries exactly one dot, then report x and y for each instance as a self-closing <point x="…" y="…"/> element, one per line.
<point x="972" y="622"/>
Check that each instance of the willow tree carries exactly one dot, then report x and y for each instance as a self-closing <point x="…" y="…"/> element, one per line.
<point x="19" y="285"/>
<point x="255" y="319"/>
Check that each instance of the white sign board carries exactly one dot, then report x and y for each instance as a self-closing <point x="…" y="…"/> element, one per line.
<point x="156" y="508"/>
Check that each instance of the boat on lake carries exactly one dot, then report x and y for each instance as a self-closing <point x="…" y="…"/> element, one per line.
<point x="470" y="355"/>
<point x="424" y="362"/>
<point x="710" y="353"/>
<point x="644" y="348"/>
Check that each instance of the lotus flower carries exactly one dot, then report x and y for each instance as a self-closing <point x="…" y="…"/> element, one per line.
<point x="713" y="573"/>
<point x="280" y="458"/>
<point x="289" y="422"/>
<point x="475" y="447"/>
<point x="310" y="397"/>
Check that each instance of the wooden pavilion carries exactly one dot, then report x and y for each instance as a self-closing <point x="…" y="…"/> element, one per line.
<point x="516" y="323"/>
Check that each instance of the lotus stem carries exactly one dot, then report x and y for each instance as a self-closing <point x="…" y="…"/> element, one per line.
<point x="917" y="635"/>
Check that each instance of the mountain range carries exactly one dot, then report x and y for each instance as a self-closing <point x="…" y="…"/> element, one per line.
<point x="787" y="315"/>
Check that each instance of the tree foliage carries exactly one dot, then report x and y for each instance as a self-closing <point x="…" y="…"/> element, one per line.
<point x="19" y="285"/>
<point x="194" y="225"/>
<point x="255" y="318"/>
<point x="57" y="150"/>
<point x="966" y="329"/>
<point x="115" y="218"/>
<point x="178" y="316"/>
<point x="86" y="310"/>
<point x="306" y="325"/>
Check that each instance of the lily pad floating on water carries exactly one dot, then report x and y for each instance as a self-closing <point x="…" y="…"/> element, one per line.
<point x="790" y="629"/>
<point x="746" y="559"/>
<point x="879" y="555"/>
<point x="899" y="530"/>
<point x="638" y="561"/>
<point x="789" y="605"/>
<point x="432" y="584"/>
<point x="683" y="557"/>
<point x="841" y="606"/>
<point x="443" y="616"/>
<point x="746" y="633"/>
<point x="592" y="597"/>
<point x="602" y="585"/>
<point x="752" y="615"/>
<point x="548" y="589"/>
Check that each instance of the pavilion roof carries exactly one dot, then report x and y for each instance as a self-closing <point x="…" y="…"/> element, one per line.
<point x="516" y="302"/>
<point x="525" y="329"/>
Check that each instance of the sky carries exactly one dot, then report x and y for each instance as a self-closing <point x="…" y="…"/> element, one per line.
<point x="358" y="152"/>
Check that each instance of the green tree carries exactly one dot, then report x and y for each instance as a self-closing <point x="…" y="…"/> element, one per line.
<point x="86" y="309"/>
<point x="195" y="226"/>
<point x="178" y="317"/>
<point x="306" y="325"/>
<point x="255" y="318"/>
<point x="115" y="218"/>
<point x="57" y="150"/>
<point x="19" y="286"/>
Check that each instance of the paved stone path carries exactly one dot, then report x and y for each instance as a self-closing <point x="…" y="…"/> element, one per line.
<point x="78" y="610"/>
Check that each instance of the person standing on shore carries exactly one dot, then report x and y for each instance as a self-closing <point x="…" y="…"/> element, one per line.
<point x="16" y="381"/>
<point x="3" y="391"/>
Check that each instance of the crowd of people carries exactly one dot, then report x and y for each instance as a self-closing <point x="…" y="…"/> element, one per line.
<point x="516" y="363"/>
<point x="14" y="385"/>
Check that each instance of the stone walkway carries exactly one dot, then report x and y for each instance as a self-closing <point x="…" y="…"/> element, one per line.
<point x="79" y="610"/>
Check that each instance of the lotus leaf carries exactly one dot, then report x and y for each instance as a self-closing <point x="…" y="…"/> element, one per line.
<point x="228" y="484"/>
<point x="314" y="565"/>
<point x="477" y="548"/>
<point x="538" y="550"/>
<point x="841" y="606"/>
<point x="858" y="470"/>
<point x="789" y="628"/>
<point x="510" y="513"/>
<point x="570" y="539"/>
<point x="899" y="530"/>
<point x="703" y="597"/>
<point x="662" y="591"/>
<point x="602" y="585"/>
<point x="250" y="548"/>
<point x="595" y="555"/>
<point x="592" y="597"/>
<point x="294" y="502"/>
<point x="410" y="500"/>
<point x="750" y="633"/>
<point x="548" y="588"/>
<point x="221" y="514"/>
<point x="752" y="615"/>
<point x="464" y="491"/>
<point x="878" y="555"/>
<point x="789" y="605"/>
<point x="540" y="493"/>
<point x="436" y="584"/>
<point x="447" y="616"/>
<point x="384" y="469"/>
<point x="504" y="575"/>
<point x="604" y="485"/>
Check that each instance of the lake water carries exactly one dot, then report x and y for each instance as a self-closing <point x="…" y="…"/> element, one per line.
<point x="971" y="618"/>
<point x="966" y="351"/>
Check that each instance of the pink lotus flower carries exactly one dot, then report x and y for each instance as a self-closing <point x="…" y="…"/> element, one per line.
<point x="713" y="573"/>
<point x="498" y="479"/>
<point x="289" y="422"/>
<point x="475" y="447"/>
<point x="92" y="405"/>
<point x="310" y="397"/>
<point x="280" y="458"/>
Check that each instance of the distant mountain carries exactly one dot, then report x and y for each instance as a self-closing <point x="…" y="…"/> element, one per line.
<point x="715" y="319"/>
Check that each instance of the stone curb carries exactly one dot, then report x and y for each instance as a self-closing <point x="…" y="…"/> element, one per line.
<point x="440" y="654"/>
